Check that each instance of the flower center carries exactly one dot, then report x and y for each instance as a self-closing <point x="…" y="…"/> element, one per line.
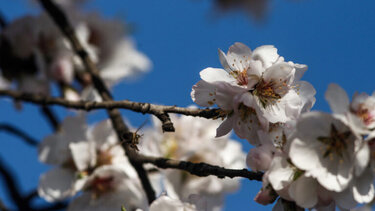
<point x="364" y="114"/>
<point x="240" y="76"/>
<point x="269" y="92"/>
<point x="336" y="143"/>
<point x="101" y="185"/>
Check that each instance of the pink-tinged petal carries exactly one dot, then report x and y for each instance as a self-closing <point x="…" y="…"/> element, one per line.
<point x="304" y="192"/>
<point x="337" y="99"/>
<point x="267" y="54"/>
<point x="204" y="93"/>
<point x="57" y="184"/>
<point x="265" y="196"/>
<point x="212" y="75"/>
<point x="225" y="127"/>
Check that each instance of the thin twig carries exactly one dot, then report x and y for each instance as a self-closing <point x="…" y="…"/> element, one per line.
<point x="51" y="117"/>
<point x="12" y="187"/>
<point x="200" y="169"/>
<point x="18" y="132"/>
<point x="119" y="125"/>
<point x="3" y="21"/>
<point x="123" y="104"/>
<point x="3" y="207"/>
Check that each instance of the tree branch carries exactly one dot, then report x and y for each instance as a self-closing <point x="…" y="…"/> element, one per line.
<point x="157" y="110"/>
<point x="200" y="169"/>
<point x="51" y="117"/>
<point x="12" y="187"/>
<point x="17" y="132"/>
<point x="120" y="127"/>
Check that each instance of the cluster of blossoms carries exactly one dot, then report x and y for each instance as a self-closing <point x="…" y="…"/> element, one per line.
<point x="91" y="160"/>
<point x="35" y="53"/>
<point x="314" y="159"/>
<point x="194" y="141"/>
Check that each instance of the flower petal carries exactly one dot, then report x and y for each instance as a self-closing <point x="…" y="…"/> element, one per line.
<point x="337" y="99"/>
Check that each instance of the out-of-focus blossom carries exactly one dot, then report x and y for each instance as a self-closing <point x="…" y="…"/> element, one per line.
<point x="167" y="203"/>
<point x="255" y="88"/>
<point x="331" y="152"/>
<point x="359" y="113"/>
<point x="194" y="141"/>
<point x="110" y="188"/>
<point x="34" y="50"/>
<point x="77" y="151"/>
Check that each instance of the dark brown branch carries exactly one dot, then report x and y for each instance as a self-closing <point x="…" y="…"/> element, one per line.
<point x="200" y="169"/>
<point x="157" y="110"/>
<point x="12" y="187"/>
<point x="51" y="117"/>
<point x="3" y="207"/>
<point x="62" y="22"/>
<point x="3" y="21"/>
<point x="17" y="132"/>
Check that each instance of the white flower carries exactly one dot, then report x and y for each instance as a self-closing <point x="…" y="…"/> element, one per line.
<point x="109" y="188"/>
<point x="254" y="89"/>
<point x="328" y="150"/>
<point x="77" y="151"/>
<point x="166" y="203"/>
<point x="360" y="113"/>
<point x="194" y="140"/>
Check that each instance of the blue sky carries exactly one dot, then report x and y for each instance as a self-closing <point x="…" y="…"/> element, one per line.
<point x="335" y="38"/>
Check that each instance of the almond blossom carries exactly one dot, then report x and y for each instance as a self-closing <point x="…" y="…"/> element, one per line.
<point x="194" y="140"/>
<point x="359" y="113"/>
<point x="77" y="151"/>
<point x="167" y="203"/>
<point x="332" y="153"/>
<point x="110" y="188"/>
<point x="255" y="88"/>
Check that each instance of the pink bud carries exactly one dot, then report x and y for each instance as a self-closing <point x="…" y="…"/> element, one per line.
<point x="265" y="196"/>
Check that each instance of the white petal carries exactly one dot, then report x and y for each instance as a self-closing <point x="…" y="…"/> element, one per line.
<point x="337" y="99"/>
<point x="57" y="184"/>
<point x="279" y="73"/>
<point x="83" y="154"/>
<point x="267" y="54"/>
<point x="363" y="189"/>
<point x="304" y="192"/>
<point x="225" y="127"/>
<point x="362" y="158"/>
<point x="280" y="173"/>
<point x="203" y="93"/>
<point x="211" y="75"/>
<point x="166" y="203"/>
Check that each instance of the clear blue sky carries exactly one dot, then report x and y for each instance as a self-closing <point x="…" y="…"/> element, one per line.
<point x="335" y="38"/>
